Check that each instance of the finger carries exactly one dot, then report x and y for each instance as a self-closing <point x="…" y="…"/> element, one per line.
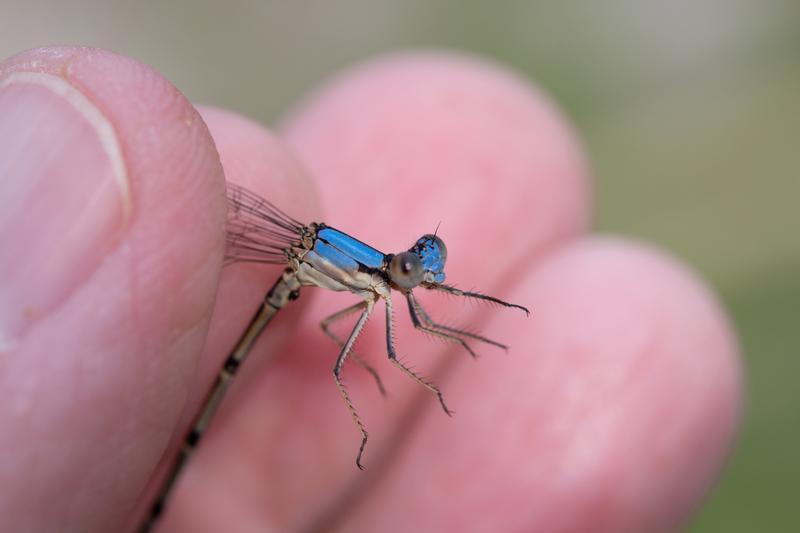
<point x="254" y="158"/>
<point x="407" y="142"/>
<point x="614" y="412"/>
<point x="404" y="142"/>
<point x="112" y="217"/>
<point x="295" y="443"/>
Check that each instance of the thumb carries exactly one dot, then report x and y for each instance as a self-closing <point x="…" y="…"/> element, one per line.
<point x="111" y="221"/>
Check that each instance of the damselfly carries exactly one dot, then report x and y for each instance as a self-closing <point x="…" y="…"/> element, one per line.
<point x="318" y="255"/>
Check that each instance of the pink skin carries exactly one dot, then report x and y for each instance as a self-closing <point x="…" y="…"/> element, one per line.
<point x="613" y="411"/>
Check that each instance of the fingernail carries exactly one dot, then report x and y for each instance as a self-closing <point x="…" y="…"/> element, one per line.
<point x="64" y="196"/>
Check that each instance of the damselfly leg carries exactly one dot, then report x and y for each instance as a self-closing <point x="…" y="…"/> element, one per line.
<point x="326" y="327"/>
<point x="399" y="364"/>
<point x="337" y="371"/>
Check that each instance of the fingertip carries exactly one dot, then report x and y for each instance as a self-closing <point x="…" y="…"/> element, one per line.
<point x="624" y="390"/>
<point x="408" y="140"/>
<point x="637" y="299"/>
<point x="405" y="141"/>
<point x="121" y="343"/>
<point x="174" y="182"/>
<point x="657" y="359"/>
<point x="254" y="157"/>
<point x="614" y="411"/>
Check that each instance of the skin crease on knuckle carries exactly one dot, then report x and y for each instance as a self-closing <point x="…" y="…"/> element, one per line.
<point x="389" y="126"/>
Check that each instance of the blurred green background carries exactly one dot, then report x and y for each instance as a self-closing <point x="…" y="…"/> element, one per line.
<point x="690" y="111"/>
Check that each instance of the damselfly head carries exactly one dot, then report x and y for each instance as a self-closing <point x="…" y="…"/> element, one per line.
<point x="422" y="263"/>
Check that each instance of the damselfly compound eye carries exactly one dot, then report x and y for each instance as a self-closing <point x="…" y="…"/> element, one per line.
<point x="406" y="270"/>
<point x="439" y="243"/>
<point x="432" y="252"/>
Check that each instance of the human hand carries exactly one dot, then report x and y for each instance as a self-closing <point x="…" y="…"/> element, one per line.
<point x="613" y="410"/>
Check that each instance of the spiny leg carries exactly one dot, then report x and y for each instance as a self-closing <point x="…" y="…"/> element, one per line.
<point x="476" y="295"/>
<point x="325" y="325"/>
<point x="393" y="358"/>
<point x="412" y="304"/>
<point x="448" y="332"/>
<point x="337" y="369"/>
